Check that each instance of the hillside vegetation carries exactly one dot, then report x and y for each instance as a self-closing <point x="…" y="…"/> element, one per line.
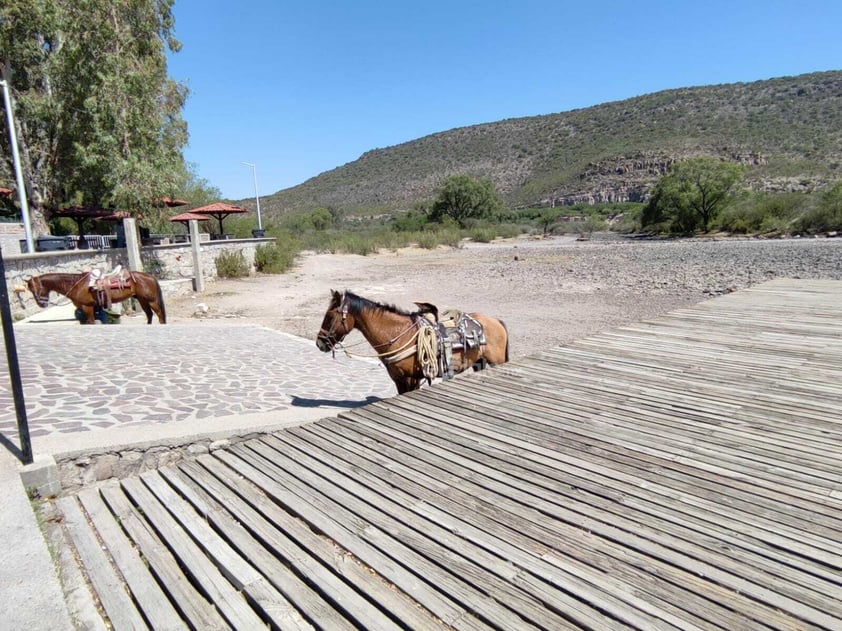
<point x="786" y="131"/>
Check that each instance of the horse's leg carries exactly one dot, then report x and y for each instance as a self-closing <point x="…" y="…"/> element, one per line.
<point x="89" y="314"/>
<point x="406" y="383"/>
<point x="147" y="310"/>
<point x="159" y="311"/>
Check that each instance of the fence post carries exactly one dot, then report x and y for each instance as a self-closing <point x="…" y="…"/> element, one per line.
<point x="132" y="244"/>
<point x="196" y="249"/>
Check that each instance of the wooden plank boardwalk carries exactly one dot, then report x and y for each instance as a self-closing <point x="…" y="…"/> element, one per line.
<point x="683" y="473"/>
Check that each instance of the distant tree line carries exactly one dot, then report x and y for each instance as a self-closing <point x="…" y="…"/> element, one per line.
<point x="704" y="194"/>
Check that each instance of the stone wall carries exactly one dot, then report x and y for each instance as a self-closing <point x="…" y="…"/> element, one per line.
<point x="11" y="234"/>
<point x="168" y="262"/>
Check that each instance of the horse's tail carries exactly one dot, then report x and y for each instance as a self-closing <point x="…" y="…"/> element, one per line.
<point x="164" y="310"/>
<point x="506" y="329"/>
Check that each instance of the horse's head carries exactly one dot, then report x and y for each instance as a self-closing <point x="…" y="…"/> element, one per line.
<point x="41" y="294"/>
<point x="337" y="323"/>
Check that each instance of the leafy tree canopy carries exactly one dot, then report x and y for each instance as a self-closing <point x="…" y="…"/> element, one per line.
<point x="98" y="120"/>
<point x="691" y="195"/>
<point x="463" y="198"/>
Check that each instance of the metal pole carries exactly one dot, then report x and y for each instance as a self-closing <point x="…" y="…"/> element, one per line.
<point x="256" y="196"/>
<point x="14" y="366"/>
<point x="13" y="140"/>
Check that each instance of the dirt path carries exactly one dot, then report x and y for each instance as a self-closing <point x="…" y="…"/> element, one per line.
<point x="548" y="292"/>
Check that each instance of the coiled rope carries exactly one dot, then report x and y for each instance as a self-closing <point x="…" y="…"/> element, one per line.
<point x="427" y="352"/>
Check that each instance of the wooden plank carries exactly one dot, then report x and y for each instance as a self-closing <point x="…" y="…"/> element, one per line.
<point x="144" y="589"/>
<point x="596" y="526"/>
<point x="563" y="537"/>
<point x="654" y="434"/>
<point x="382" y="534"/>
<point x="319" y="560"/>
<point x="321" y="557"/>
<point x="194" y="606"/>
<point x="312" y="604"/>
<point x="105" y="580"/>
<point x="477" y="564"/>
<point x="691" y="483"/>
<point x="345" y="531"/>
<point x="227" y="598"/>
<point x="228" y="556"/>
<point x="504" y="537"/>
<point x="465" y="459"/>
<point x="581" y="459"/>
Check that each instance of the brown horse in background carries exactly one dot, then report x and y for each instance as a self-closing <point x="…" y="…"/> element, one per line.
<point x="76" y="287"/>
<point x="395" y="335"/>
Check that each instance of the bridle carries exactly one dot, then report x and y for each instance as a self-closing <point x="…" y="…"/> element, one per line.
<point x="329" y="335"/>
<point x="390" y="356"/>
<point x="40" y="298"/>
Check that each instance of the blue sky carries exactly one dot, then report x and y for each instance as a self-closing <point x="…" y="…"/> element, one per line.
<point x="300" y="88"/>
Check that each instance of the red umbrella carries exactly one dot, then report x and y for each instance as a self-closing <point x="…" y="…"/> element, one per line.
<point x="219" y="210"/>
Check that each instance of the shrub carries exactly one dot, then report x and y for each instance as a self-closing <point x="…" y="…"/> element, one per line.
<point x="273" y="258"/>
<point x="277" y="257"/>
<point x="763" y="213"/>
<point x="231" y="264"/>
<point x="827" y="215"/>
<point x="482" y="235"/>
<point x="351" y="243"/>
<point x="156" y="267"/>
<point x="427" y="240"/>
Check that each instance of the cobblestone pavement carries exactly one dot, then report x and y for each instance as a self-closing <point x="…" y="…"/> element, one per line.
<point x="83" y="378"/>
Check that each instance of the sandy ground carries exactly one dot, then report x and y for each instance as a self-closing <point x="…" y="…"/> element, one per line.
<point x="547" y="291"/>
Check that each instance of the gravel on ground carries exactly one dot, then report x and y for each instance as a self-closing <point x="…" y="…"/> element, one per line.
<point x="548" y="291"/>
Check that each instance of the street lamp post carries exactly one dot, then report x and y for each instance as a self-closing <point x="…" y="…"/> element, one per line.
<point x="13" y="141"/>
<point x="256" y="195"/>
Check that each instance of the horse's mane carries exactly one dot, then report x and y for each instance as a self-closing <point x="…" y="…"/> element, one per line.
<point x="357" y="304"/>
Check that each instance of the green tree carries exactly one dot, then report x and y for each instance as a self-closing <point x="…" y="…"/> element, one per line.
<point x="691" y="195"/>
<point x="98" y="120"/>
<point x="463" y="197"/>
<point x="827" y="215"/>
<point x="547" y="218"/>
<point x="321" y="219"/>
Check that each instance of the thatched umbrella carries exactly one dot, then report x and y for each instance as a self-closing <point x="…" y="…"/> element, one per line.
<point x="219" y="210"/>
<point x="82" y="213"/>
<point x="186" y="217"/>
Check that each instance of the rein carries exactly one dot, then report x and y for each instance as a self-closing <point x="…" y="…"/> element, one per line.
<point x="390" y="356"/>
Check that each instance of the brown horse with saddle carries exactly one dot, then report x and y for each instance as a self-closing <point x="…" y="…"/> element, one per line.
<point x="419" y="345"/>
<point x="88" y="291"/>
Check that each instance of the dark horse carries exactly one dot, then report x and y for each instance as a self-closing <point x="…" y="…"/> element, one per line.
<point x="396" y="336"/>
<point x="76" y="287"/>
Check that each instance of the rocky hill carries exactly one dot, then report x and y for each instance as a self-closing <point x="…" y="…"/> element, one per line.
<point x="788" y="131"/>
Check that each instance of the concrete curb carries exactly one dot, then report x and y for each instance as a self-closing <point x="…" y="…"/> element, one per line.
<point x="30" y="591"/>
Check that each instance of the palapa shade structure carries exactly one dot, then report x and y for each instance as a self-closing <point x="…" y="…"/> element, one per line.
<point x="81" y="213"/>
<point x="219" y="210"/>
<point x="186" y="217"/>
